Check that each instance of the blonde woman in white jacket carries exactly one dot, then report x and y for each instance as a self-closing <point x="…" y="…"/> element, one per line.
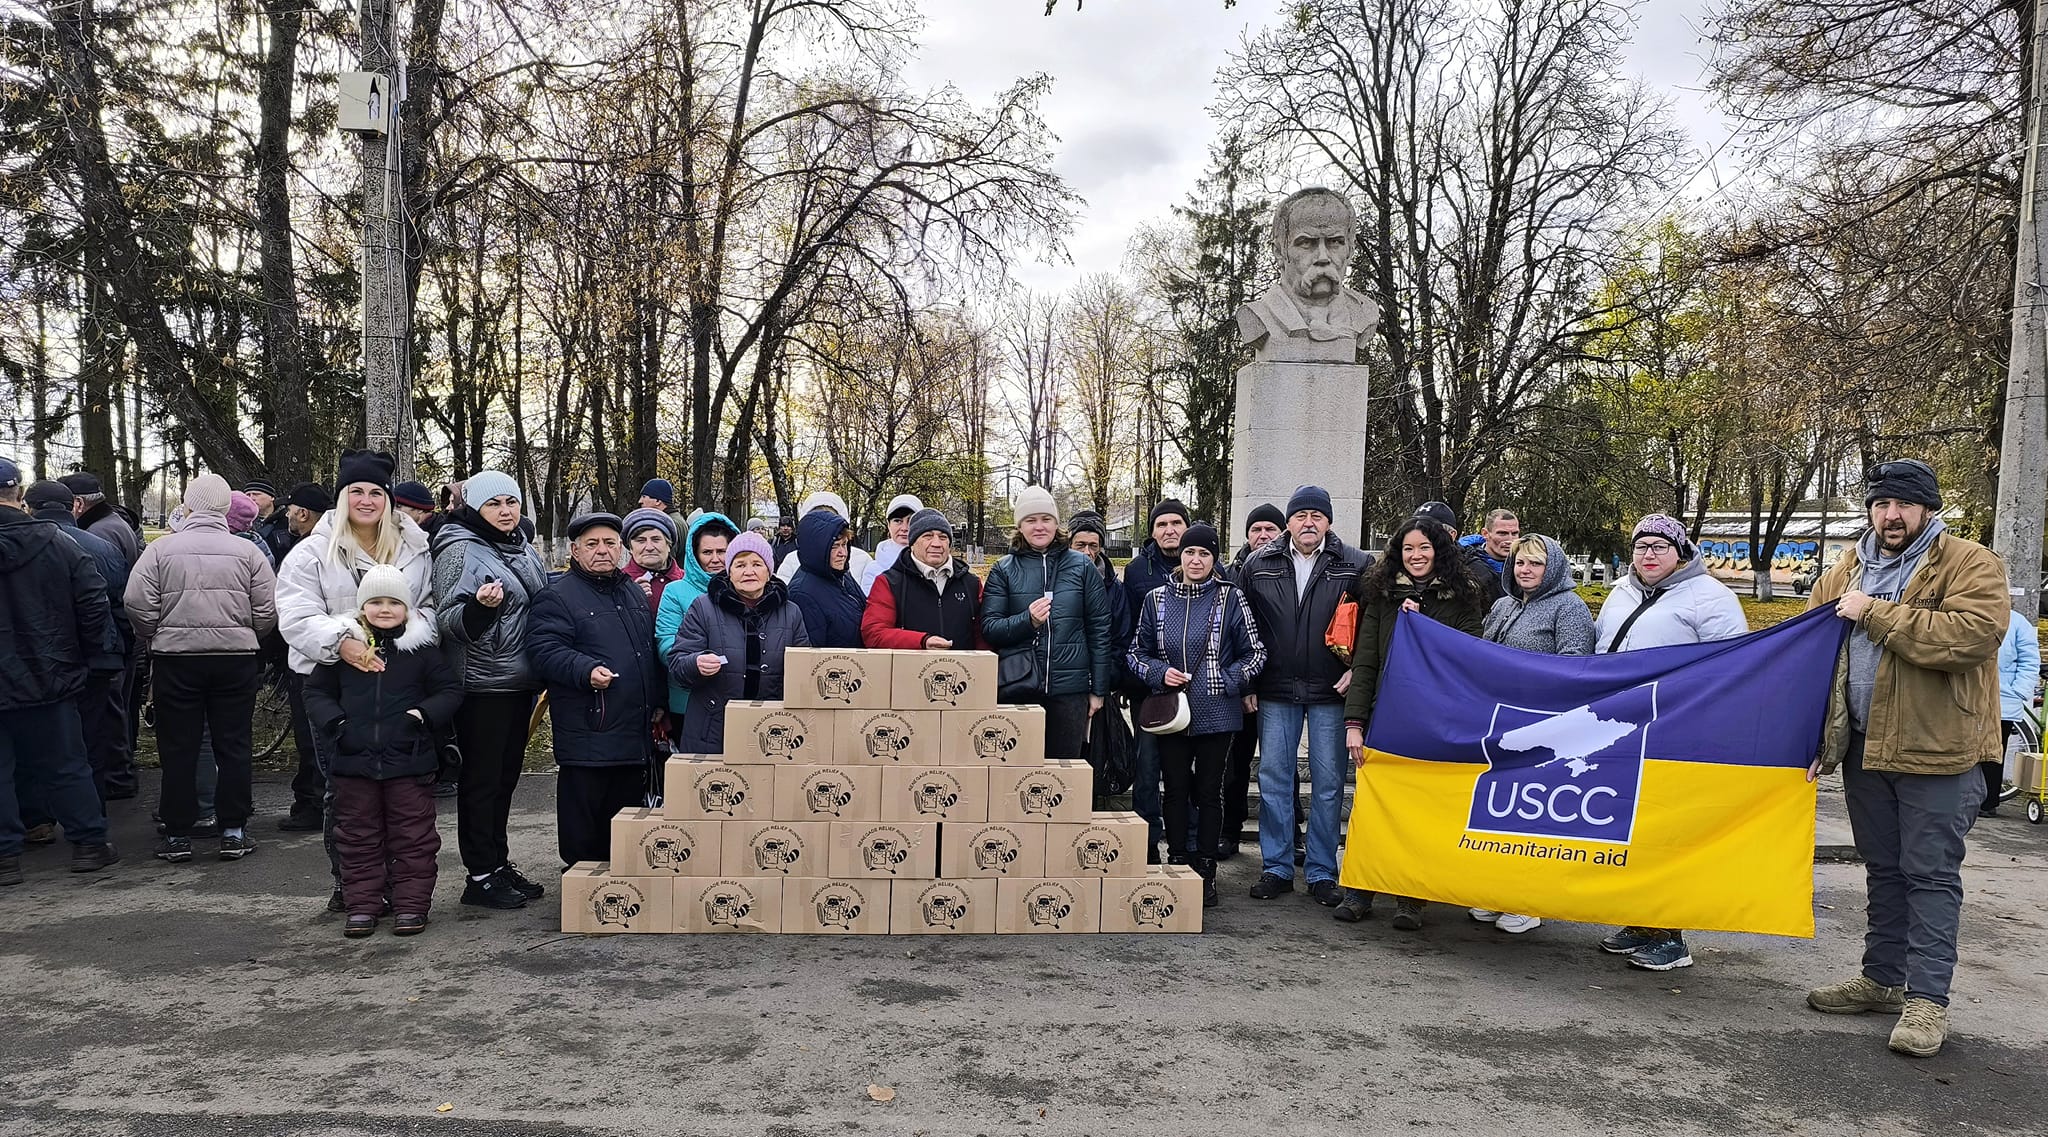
<point x="316" y="586"/>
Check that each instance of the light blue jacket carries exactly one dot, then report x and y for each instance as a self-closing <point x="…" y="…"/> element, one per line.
<point x="2019" y="667"/>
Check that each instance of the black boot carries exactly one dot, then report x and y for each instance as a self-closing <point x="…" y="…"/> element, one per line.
<point x="1206" y="866"/>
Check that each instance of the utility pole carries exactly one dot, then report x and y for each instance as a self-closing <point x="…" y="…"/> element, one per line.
<point x="387" y="386"/>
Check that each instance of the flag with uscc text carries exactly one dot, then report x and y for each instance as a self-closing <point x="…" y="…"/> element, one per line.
<point x="1663" y="787"/>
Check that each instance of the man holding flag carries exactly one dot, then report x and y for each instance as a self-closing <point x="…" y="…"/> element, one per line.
<point x="1913" y="712"/>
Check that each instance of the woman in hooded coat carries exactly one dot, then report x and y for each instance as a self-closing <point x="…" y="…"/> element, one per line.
<point x="702" y="557"/>
<point x="823" y="590"/>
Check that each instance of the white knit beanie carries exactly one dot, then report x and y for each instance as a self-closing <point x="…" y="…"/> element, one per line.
<point x="208" y="493"/>
<point x="383" y="582"/>
<point x="1036" y="499"/>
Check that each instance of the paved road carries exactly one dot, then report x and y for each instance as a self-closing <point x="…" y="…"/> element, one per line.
<point x="220" y="998"/>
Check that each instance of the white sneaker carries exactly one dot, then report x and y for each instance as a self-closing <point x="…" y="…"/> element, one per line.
<point x="1483" y="915"/>
<point x="1516" y="925"/>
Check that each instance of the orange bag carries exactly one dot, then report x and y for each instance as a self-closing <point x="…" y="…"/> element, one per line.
<point x="1342" y="635"/>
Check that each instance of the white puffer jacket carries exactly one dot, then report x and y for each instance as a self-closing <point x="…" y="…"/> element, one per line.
<point x="1690" y="607"/>
<point x="316" y="598"/>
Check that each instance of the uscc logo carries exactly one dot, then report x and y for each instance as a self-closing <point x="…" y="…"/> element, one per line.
<point x="1572" y="774"/>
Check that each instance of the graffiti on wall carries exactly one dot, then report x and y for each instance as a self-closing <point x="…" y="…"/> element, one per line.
<point x="1791" y="559"/>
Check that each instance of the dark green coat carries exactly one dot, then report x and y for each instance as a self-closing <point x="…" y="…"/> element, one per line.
<point x="1076" y="642"/>
<point x="1439" y="602"/>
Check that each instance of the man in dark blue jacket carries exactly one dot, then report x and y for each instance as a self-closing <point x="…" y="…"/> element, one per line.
<point x="590" y="638"/>
<point x="53" y="613"/>
<point x="102" y="708"/>
<point x="1154" y="565"/>
<point x="1294" y="586"/>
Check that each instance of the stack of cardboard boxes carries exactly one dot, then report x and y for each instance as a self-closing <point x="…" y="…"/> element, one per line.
<point x="888" y="793"/>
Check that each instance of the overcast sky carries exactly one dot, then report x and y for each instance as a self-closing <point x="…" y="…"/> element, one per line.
<point x="1134" y="80"/>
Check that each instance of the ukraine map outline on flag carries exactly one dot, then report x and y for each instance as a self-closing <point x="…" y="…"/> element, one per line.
<point x="1664" y="787"/>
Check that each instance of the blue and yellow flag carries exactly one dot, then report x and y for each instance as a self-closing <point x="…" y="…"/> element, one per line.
<point x="1664" y="787"/>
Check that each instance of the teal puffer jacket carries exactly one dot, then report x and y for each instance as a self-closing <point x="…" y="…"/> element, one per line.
<point x="1074" y="650"/>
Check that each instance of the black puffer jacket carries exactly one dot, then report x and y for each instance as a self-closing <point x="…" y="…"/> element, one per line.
<point x="364" y="714"/>
<point x="1074" y="650"/>
<point x="53" y="613"/>
<point x="578" y="623"/>
<point x="1300" y="668"/>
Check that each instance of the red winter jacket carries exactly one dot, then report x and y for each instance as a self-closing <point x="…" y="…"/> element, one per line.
<point x="881" y="623"/>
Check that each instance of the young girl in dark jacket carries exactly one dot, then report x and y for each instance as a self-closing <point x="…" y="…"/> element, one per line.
<point x="381" y="723"/>
<point x="1196" y="635"/>
<point x="1420" y="573"/>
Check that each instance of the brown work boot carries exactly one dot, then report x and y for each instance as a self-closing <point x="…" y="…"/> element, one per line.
<point x="1923" y="1027"/>
<point x="1856" y="996"/>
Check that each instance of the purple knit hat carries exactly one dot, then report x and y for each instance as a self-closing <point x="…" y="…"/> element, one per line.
<point x="1666" y="526"/>
<point x="751" y="542"/>
<point x="241" y="512"/>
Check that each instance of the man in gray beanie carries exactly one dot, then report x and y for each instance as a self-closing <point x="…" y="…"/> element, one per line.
<point x="1915" y="709"/>
<point x="927" y="600"/>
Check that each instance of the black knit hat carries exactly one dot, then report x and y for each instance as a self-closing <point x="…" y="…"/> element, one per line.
<point x="1440" y="513"/>
<point x="258" y="485"/>
<point x="1090" y="521"/>
<point x="414" y="494"/>
<point x="1268" y="513"/>
<point x="1311" y="497"/>
<point x="1202" y="536"/>
<point x="374" y="467"/>
<point x="1903" y="479"/>
<point x="310" y="495"/>
<point x="1168" y="507"/>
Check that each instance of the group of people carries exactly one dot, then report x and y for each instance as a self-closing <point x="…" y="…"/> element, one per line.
<point x="413" y="631"/>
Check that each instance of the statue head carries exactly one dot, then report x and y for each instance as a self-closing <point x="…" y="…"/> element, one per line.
<point x="1314" y="237"/>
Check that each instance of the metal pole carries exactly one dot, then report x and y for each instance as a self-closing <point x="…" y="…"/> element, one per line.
<point x="387" y="388"/>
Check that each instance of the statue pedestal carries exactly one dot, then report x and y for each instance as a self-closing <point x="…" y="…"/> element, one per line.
<point x="1299" y="424"/>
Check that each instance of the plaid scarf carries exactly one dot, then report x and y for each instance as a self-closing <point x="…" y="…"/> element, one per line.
<point x="1211" y="673"/>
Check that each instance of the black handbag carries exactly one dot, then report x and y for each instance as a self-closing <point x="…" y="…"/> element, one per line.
<point x="1017" y="677"/>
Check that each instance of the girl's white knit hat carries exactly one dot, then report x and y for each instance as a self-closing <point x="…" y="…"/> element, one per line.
<point x="383" y="582"/>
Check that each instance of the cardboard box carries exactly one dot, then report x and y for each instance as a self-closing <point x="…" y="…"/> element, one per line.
<point x="942" y="907"/>
<point x="1056" y="791"/>
<point x="886" y="738"/>
<point x="712" y="789"/>
<point x="835" y="907"/>
<point x="836" y="678"/>
<point x="729" y="904"/>
<point x="771" y="732"/>
<point x="776" y="848"/>
<point x="944" y="681"/>
<point x="596" y="900"/>
<point x="828" y="793"/>
<point x="1036" y="907"/>
<point x="1166" y="899"/>
<point x="1109" y="844"/>
<point x="992" y="849"/>
<point x="884" y="850"/>
<point x="1006" y="736"/>
<point x="934" y="793"/>
<point x="647" y="843"/>
<point x="2027" y="778"/>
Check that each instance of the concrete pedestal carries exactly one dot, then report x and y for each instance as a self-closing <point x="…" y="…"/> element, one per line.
<point x="1299" y="424"/>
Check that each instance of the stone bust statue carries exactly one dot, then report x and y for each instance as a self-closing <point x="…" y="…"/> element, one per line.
<point x="1310" y="316"/>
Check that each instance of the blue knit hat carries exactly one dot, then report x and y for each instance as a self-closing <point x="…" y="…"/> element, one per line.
<point x="660" y="490"/>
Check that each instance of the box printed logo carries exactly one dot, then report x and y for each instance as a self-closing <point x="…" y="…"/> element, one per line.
<point x="943" y="906"/>
<point x="727" y="904"/>
<point x="884" y="849"/>
<point x="1040" y="794"/>
<point x="935" y="793"/>
<point x="667" y="847"/>
<point x="615" y="903"/>
<point x="943" y="682"/>
<point x="1151" y="908"/>
<point x="995" y="850"/>
<point x="839" y="680"/>
<point x="826" y="792"/>
<point x="1048" y="905"/>
<point x="1573" y="774"/>
<point x="777" y="849"/>
<point x="838" y="906"/>
<point x="780" y="735"/>
<point x="886" y="736"/>
<point x="1096" y="849"/>
<point x="993" y="738"/>
<point x="722" y="792"/>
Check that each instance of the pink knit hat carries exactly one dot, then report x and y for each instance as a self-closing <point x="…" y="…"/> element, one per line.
<point x="241" y="512"/>
<point x="751" y="542"/>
